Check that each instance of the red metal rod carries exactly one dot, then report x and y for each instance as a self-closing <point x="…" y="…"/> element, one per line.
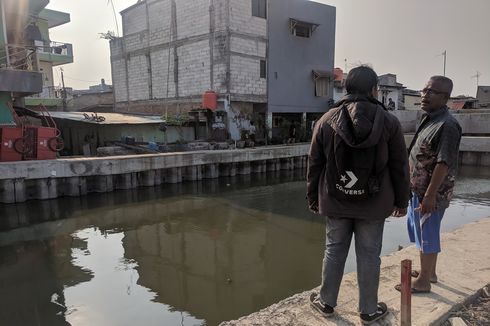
<point x="406" y="293"/>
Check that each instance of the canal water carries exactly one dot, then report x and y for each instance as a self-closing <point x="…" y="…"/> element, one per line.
<point x="185" y="254"/>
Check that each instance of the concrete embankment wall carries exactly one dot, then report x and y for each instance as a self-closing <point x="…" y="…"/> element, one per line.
<point x="21" y="181"/>
<point x="476" y="122"/>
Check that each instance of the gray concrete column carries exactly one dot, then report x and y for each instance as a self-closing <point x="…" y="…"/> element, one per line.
<point x="173" y="175"/>
<point x="147" y="178"/>
<point x="258" y="166"/>
<point x="211" y="171"/>
<point x="470" y="158"/>
<point x="123" y="181"/>
<point x="46" y="188"/>
<point x="244" y="168"/>
<point x="20" y="190"/>
<point x="158" y="177"/>
<point x="286" y="164"/>
<point x="297" y="162"/>
<point x="271" y="165"/>
<point x="485" y="159"/>
<point x="104" y="183"/>
<point x="190" y="173"/>
<point x="72" y="186"/>
<point x="224" y="169"/>
<point x="7" y="191"/>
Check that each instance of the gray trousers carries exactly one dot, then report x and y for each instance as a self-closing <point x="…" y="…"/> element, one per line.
<point x="368" y="240"/>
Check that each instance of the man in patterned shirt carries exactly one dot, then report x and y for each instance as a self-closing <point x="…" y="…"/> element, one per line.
<point x="433" y="160"/>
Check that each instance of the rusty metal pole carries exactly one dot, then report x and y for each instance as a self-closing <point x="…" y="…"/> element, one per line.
<point x="406" y="293"/>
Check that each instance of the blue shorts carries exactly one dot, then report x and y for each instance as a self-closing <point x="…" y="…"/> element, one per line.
<point x="427" y="238"/>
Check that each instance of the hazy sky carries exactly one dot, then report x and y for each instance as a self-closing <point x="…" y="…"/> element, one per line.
<point x="406" y="38"/>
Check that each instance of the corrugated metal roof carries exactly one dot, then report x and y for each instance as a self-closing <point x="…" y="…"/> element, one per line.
<point x="107" y="118"/>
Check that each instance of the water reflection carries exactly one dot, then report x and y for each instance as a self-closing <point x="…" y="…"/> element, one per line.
<point x="185" y="254"/>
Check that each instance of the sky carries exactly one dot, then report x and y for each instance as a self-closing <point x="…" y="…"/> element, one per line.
<point x="405" y="38"/>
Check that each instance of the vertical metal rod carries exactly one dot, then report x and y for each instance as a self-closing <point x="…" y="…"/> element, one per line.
<point x="444" y="54"/>
<point x="406" y="293"/>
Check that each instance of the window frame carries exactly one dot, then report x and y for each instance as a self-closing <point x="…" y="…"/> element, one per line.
<point x="259" y="8"/>
<point x="263" y="69"/>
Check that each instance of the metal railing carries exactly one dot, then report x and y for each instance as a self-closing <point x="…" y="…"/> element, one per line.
<point x="56" y="48"/>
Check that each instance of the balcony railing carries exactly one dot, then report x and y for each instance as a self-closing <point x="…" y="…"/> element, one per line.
<point x="56" y="48"/>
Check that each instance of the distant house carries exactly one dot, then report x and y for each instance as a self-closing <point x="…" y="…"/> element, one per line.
<point x="339" y="84"/>
<point x="462" y="102"/>
<point x="483" y="97"/>
<point x="411" y="99"/>
<point x="389" y="88"/>
<point x="98" y="98"/>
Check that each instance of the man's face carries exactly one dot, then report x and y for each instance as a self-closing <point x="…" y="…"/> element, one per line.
<point x="434" y="96"/>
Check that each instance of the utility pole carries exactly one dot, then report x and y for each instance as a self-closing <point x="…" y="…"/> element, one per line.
<point x="63" y="92"/>
<point x="477" y="76"/>
<point x="444" y="54"/>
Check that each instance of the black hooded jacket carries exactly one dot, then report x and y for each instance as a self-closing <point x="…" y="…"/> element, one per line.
<point x="362" y="122"/>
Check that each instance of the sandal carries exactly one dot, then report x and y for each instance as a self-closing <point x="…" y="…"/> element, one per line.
<point x="398" y="287"/>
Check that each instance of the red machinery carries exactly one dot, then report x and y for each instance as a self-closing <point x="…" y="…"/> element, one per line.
<point x="30" y="142"/>
<point x="9" y="137"/>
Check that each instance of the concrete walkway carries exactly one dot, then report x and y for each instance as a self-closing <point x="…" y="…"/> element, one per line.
<point x="463" y="268"/>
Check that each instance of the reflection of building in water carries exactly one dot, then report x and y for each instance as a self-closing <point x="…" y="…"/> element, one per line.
<point x="218" y="260"/>
<point x="31" y="273"/>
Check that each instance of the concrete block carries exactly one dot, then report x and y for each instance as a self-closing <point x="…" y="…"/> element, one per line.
<point x="286" y="163"/>
<point x="243" y="168"/>
<point x="7" y="191"/>
<point x="211" y="171"/>
<point x="46" y="188"/>
<point x="173" y="175"/>
<point x="258" y="166"/>
<point x="147" y="178"/>
<point x="470" y="158"/>
<point x="124" y="181"/>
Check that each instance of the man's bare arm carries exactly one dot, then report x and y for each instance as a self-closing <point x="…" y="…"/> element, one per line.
<point x="428" y="204"/>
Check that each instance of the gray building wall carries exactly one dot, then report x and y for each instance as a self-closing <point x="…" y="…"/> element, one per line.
<point x="194" y="46"/>
<point x="292" y="59"/>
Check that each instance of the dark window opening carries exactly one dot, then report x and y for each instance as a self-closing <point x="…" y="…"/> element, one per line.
<point x="263" y="69"/>
<point x="259" y="8"/>
<point x="302" y="31"/>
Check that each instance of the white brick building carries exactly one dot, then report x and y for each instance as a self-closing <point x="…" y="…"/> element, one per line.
<point x="172" y="51"/>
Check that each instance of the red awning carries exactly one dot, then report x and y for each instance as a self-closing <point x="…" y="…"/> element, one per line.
<point x="457" y="105"/>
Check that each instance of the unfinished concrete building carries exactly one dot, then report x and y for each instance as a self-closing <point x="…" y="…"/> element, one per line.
<point x="269" y="59"/>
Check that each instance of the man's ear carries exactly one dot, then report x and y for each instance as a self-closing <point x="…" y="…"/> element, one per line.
<point x="374" y="92"/>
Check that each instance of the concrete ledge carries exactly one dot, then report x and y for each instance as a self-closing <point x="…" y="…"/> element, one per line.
<point x="463" y="269"/>
<point x="76" y="167"/>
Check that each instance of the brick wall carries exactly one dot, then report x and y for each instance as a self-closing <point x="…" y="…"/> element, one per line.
<point x="197" y="71"/>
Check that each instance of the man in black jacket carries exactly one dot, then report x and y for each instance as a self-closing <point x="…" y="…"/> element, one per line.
<point x="363" y="144"/>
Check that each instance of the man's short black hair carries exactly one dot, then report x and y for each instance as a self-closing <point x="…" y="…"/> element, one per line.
<point x="361" y="80"/>
<point x="447" y="83"/>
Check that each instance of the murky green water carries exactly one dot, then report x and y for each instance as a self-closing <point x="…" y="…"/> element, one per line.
<point x="186" y="254"/>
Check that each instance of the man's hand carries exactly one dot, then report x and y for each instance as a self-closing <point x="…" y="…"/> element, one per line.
<point x="399" y="212"/>
<point x="428" y="204"/>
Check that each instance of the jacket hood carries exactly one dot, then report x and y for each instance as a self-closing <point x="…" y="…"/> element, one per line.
<point x="358" y="120"/>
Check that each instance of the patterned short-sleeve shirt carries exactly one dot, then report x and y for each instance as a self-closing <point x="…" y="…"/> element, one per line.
<point x="437" y="141"/>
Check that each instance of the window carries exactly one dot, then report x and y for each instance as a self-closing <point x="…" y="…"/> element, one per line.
<point x="301" y="29"/>
<point x="263" y="69"/>
<point x="259" y="8"/>
<point x="322" y="83"/>
<point x="322" y="87"/>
